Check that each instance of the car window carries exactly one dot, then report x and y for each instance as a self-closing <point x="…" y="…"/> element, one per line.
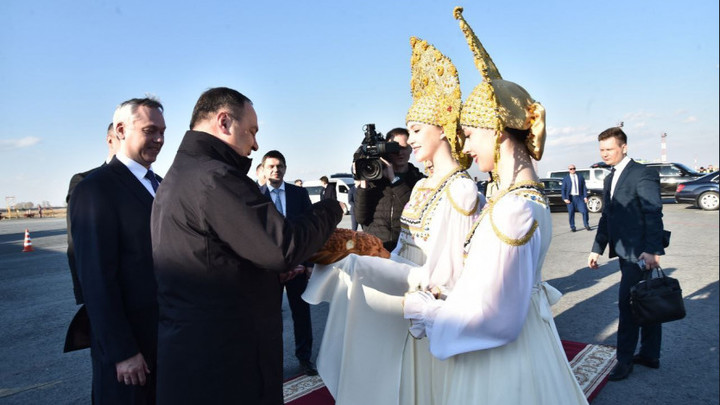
<point x="558" y="174"/>
<point x="600" y="174"/>
<point x="315" y="190"/>
<point x="670" y="171"/>
<point x="585" y="174"/>
<point x="552" y="184"/>
<point x="342" y="189"/>
<point x="685" y="168"/>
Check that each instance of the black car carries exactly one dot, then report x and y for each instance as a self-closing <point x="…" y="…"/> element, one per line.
<point x="553" y="190"/>
<point x="701" y="192"/>
<point x="672" y="174"/>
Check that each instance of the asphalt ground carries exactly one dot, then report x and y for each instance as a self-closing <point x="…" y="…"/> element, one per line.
<point x="36" y="305"/>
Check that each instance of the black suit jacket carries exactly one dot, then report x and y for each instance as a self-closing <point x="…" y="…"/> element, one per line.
<point x="110" y="217"/>
<point x="297" y="199"/>
<point x="328" y="193"/>
<point x="74" y="181"/>
<point x="631" y="221"/>
<point x="566" y="188"/>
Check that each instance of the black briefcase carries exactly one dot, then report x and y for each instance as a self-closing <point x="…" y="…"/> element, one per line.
<point x="657" y="299"/>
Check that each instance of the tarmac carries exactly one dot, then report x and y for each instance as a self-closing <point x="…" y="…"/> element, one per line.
<point x="37" y="304"/>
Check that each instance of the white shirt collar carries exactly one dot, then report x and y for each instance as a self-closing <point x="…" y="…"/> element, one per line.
<point x="137" y="170"/>
<point x="618" y="170"/>
<point x="621" y="166"/>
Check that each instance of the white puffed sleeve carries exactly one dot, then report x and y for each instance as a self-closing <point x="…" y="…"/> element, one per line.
<point x="490" y="301"/>
<point x="460" y="206"/>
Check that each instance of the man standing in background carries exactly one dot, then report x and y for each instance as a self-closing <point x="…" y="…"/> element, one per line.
<point x="292" y="201"/>
<point x="112" y="144"/>
<point x="379" y="204"/>
<point x="574" y="193"/>
<point x="328" y="192"/>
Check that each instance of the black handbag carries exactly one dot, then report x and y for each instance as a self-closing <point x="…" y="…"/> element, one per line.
<point x="657" y="299"/>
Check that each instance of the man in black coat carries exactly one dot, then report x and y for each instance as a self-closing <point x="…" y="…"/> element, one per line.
<point x="220" y="247"/>
<point x="292" y="201"/>
<point x="379" y="204"/>
<point x="113" y="144"/>
<point x="631" y="224"/>
<point x="328" y="192"/>
<point x="110" y="217"/>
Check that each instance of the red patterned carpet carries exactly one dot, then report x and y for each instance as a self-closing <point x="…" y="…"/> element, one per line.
<point x="590" y="363"/>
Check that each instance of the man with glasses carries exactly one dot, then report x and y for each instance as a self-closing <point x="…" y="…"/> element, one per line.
<point x="378" y="204"/>
<point x="574" y="193"/>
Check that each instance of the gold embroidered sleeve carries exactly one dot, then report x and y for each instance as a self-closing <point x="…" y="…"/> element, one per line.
<point x="514" y="242"/>
<point x="458" y="206"/>
<point x="506" y="239"/>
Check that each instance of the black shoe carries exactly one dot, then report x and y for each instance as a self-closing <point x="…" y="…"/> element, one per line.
<point x="620" y="372"/>
<point x="646" y="361"/>
<point x="308" y="367"/>
<point x="573" y="229"/>
<point x="588" y="228"/>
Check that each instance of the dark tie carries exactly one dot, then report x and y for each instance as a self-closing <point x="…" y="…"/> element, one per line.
<point x="278" y="201"/>
<point x="153" y="180"/>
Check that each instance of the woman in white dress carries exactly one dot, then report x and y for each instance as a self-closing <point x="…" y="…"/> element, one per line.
<point x="495" y="329"/>
<point x="366" y="355"/>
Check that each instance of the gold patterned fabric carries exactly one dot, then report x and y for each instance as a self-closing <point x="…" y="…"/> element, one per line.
<point x="435" y="89"/>
<point x="496" y="103"/>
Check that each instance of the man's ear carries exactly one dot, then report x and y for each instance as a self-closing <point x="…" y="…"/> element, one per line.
<point x="223" y="121"/>
<point x="120" y="130"/>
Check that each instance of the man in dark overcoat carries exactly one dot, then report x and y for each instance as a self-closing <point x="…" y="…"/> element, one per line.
<point x="221" y="250"/>
<point x="110" y="216"/>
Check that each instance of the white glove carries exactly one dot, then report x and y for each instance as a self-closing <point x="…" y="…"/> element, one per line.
<point x="416" y="308"/>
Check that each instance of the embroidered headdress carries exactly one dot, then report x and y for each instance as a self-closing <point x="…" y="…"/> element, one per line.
<point x="436" y="95"/>
<point x="497" y="103"/>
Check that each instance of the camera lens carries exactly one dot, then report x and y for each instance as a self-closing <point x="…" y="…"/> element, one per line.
<point x="369" y="169"/>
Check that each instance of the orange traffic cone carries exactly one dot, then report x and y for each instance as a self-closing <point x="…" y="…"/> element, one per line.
<point x="28" y="242"/>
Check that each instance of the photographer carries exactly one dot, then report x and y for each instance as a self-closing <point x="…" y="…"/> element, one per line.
<point x="379" y="203"/>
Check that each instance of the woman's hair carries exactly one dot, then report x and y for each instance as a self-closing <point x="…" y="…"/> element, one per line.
<point x="518" y="135"/>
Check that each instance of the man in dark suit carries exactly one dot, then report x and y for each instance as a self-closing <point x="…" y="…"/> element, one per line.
<point x="291" y="201"/>
<point x="328" y="192"/>
<point x="110" y="216"/>
<point x="574" y="193"/>
<point x="631" y="224"/>
<point x="113" y="144"/>
<point x="219" y="247"/>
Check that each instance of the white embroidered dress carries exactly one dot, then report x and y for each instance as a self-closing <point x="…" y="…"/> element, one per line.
<point x="495" y="328"/>
<point x="361" y="353"/>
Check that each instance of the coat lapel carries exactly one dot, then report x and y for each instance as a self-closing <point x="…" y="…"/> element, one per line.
<point x="130" y="182"/>
<point x="624" y="175"/>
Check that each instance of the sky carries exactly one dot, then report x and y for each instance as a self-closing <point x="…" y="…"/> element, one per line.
<point x="317" y="71"/>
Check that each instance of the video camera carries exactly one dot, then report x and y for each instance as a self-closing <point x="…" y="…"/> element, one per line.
<point x="367" y="157"/>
